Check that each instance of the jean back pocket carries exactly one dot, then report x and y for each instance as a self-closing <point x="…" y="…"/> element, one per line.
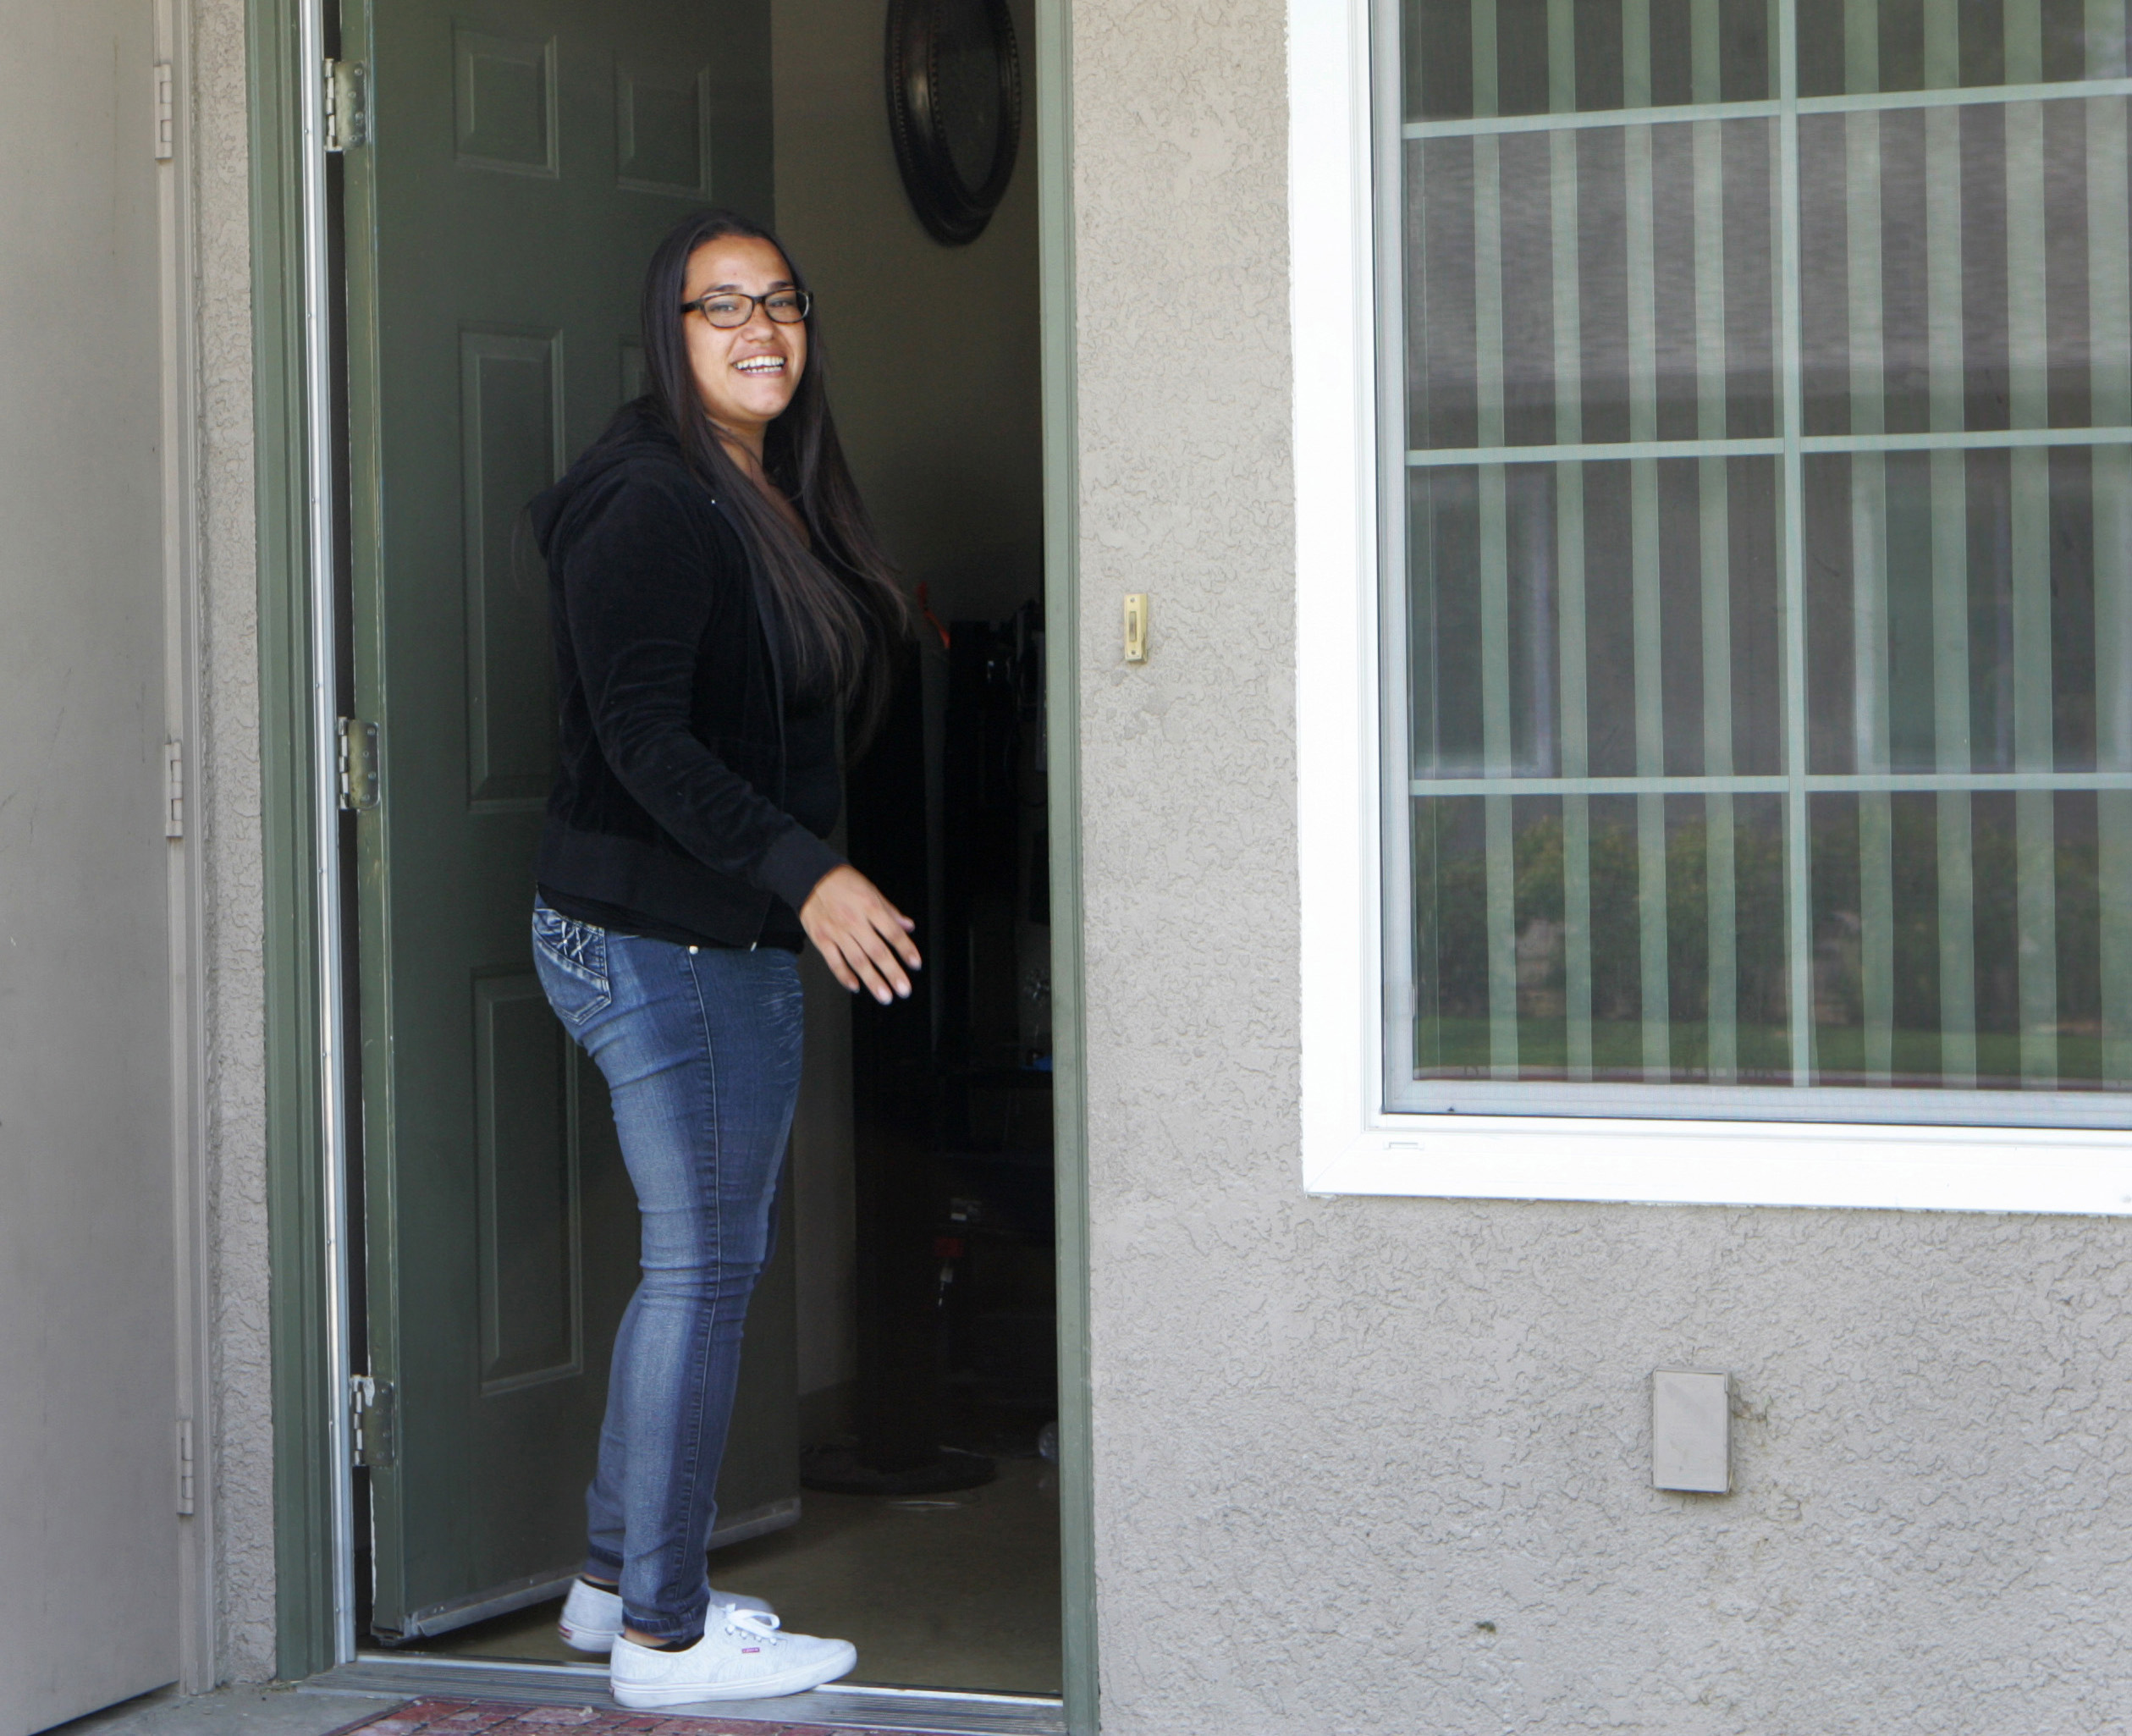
<point x="571" y="959"/>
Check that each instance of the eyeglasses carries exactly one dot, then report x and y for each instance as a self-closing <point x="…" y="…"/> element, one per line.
<point x="728" y="308"/>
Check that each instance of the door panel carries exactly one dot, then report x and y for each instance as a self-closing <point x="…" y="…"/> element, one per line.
<point x="526" y="156"/>
<point x="532" y="1315"/>
<point x="88" y="1383"/>
<point x="511" y="430"/>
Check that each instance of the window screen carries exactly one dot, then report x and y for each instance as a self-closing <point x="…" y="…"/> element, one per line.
<point x="1758" y="622"/>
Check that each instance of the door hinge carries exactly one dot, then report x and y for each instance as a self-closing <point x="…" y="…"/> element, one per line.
<point x="173" y="789"/>
<point x="370" y="1404"/>
<point x="347" y="105"/>
<point x="358" y="764"/>
<point x="166" y="114"/>
<point x="185" y="1465"/>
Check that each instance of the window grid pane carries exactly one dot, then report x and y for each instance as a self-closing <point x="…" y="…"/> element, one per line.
<point x="1760" y="644"/>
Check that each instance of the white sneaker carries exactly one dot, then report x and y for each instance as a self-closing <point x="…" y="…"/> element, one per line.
<point x="593" y="1616"/>
<point x="742" y="1656"/>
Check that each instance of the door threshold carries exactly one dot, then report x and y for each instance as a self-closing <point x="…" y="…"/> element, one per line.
<point x="937" y="1712"/>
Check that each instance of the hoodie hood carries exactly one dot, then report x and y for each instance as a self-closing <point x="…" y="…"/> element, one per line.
<point x="637" y="434"/>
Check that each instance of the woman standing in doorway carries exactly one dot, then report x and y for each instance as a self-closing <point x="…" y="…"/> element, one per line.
<point x="719" y="601"/>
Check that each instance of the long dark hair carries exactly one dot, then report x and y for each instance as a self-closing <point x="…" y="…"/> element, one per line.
<point x="840" y="611"/>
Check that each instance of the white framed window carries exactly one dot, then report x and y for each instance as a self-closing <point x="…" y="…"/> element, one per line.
<point x="1713" y="427"/>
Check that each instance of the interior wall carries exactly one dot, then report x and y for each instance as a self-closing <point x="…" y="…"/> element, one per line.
<point x="1383" y="1465"/>
<point x="932" y="362"/>
<point x="933" y="350"/>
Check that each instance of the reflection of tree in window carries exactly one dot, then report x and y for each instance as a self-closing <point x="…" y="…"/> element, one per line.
<point x="1763" y="729"/>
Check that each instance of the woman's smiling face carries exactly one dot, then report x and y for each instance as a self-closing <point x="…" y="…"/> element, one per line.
<point x="746" y="374"/>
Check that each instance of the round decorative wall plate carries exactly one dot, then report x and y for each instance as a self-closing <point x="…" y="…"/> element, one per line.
<point x="955" y="109"/>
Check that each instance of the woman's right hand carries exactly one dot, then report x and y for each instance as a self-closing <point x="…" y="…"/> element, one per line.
<point x="862" y="937"/>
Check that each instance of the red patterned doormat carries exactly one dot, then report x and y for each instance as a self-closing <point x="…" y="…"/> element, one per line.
<point x="496" y="1717"/>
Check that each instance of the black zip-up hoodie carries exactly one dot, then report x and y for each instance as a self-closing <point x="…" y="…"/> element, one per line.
<point x="691" y="789"/>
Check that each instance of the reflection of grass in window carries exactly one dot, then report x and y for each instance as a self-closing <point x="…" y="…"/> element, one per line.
<point x="1617" y="1052"/>
<point x="1451" y="1033"/>
<point x="1842" y="1053"/>
<point x="2079" y="1058"/>
<point x="2079" y="942"/>
<point x="1451" y="1030"/>
<point x="1914" y="1043"/>
<point x="1617" y="963"/>
<point x="1460" y="1046"/>
<point x="1542" y="951"/>
<point x="1998" y="974"/>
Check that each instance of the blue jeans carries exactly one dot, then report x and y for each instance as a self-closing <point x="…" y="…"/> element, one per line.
<point x="700" y="1050"/>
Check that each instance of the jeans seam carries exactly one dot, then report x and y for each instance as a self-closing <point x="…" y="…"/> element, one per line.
<point x="707" y="1317"/>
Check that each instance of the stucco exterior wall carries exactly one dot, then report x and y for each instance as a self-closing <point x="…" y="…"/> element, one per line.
<point x="226" y="802"/>
<point x="1380" y="1465"/>
<point x="1362" y="1465"/>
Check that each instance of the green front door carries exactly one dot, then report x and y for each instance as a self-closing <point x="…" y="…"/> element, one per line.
<point x="524" y="156"/>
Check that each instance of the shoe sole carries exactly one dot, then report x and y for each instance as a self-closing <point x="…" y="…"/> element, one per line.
<point x="590" y="1639"/>
<point x="796" y="1680"/>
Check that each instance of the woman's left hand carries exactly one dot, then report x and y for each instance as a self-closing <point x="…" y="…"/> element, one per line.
<point x="863" y="938"/>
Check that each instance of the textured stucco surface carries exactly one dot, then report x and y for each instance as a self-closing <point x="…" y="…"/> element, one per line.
<point x="1383" y="1465"/>
<point x="1334" y="1438"/>
<point x="227" y="803"/>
